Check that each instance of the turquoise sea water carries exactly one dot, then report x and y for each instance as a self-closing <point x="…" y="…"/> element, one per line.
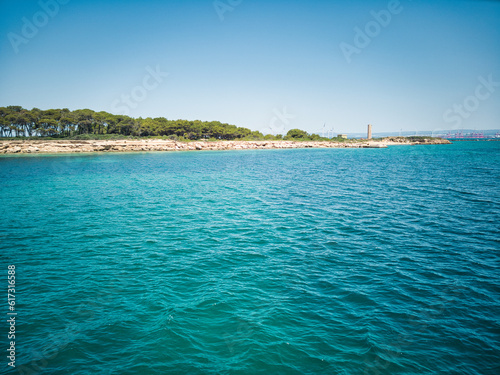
<point x="318" y="261"/>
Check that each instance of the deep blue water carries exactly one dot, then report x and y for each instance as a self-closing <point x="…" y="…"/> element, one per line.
<point x="317" y="261"/>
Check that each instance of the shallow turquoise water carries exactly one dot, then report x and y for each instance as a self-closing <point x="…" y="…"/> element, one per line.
<point x="372" y="261"/>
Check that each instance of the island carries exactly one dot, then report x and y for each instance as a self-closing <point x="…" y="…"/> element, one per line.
<point x="52" y="131"/>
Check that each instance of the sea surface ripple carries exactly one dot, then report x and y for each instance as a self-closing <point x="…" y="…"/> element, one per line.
<point x="324" y="261"/>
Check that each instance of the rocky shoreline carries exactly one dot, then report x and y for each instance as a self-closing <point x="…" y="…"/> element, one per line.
<point x="146" y="145"/>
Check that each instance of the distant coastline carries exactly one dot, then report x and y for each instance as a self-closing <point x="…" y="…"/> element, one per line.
<point x="18" y="123"/>
<point x="28" y="146"/>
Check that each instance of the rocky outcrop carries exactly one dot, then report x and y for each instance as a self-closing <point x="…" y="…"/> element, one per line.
<point x="146" y="145"/>
<point x="416" y="140"/>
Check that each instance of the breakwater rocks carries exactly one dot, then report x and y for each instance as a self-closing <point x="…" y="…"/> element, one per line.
<point x="133" y="145"/>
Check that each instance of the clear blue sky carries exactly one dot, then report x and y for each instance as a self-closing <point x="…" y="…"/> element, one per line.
<point x="264" y="64"/>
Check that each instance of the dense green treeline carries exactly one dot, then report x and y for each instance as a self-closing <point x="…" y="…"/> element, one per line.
<point x="16" y="121"/>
